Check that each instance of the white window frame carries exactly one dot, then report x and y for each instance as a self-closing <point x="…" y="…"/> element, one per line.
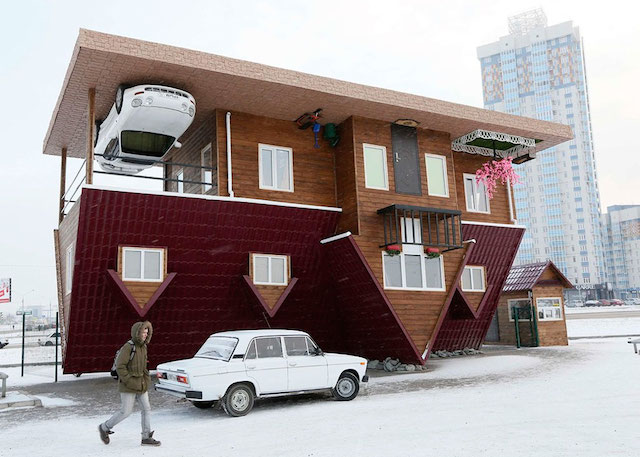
<point x="274" y="180"/>
<point x="476" y="195"/>
<point x="270" y="257"/>
<point x="70" y="263"/>
<point x="444" y="169"/>
<point x="180" y="181"/>
<point x="510" y="310"/>
<point x="385" y="171"/>
<point x="142" y="256"/>
<point x="473" y="288"/>
<point x="423" y="257"/>
<point x="207" y="181"/>
<point x="559" y="307"/>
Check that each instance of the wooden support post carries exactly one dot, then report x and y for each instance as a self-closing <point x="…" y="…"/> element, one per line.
<point x="91" y="121"/>
<point x="63" y="181"/>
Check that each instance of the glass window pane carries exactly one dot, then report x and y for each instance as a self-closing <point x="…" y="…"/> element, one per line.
<point x="267" y="169"/>
<point x="436" y="176"/>
<point x="132" y="264"/>
<point x="374" y="165"/>
<point x="180" y="183"/>
<point x="409" y="234"/>
<point x="434" y="273"/>
<point x="466" y="279"/>
<point x="483" y="204"/>
<point x="296" y="345"/>
<point x="478" y="283"/>
<point x="283" y="170"/>
<point x="278" y="266"/>
<point x="152" y="265"/>
<point x="251" y="351"/>
<point x="469" y="194"/>
<point x="413" y="266"/>
<point x="268" y="347"/>
<point x="392" y="271"/>
<point x="311" y="346"/>
<point x="260" y="269"/>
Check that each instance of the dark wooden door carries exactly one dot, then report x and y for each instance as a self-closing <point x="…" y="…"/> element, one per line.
<point x="406" y="163"/>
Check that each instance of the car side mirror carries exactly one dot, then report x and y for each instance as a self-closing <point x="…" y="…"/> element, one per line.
<point x="177" y="145"/>
<point x="318" y="351"/>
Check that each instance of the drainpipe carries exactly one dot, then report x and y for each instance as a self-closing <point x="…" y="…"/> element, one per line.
<point x="509" y="190"/>
<point x="229" y="175"/>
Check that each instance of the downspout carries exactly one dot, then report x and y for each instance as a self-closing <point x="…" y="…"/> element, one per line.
<point x="229" y="174"/>
<point x="511" y="214"/>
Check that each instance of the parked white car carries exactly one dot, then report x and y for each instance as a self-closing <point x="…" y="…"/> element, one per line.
<point x="236" y="367"/>
<point x="144" y="123"/>
<point x="49" y="340"/>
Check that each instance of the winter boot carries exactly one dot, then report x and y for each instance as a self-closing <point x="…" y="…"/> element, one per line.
<point x="104" y="434"/>
<point x="150" y="441"/>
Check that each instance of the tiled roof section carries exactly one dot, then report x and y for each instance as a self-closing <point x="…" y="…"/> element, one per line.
<point x="104" y="61"/>
<point x="524" y="277"/>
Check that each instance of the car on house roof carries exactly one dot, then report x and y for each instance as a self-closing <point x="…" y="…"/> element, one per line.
<point x="50" y="340"/>
<point x="236" y="367"/>
<point x="143" y="124"/>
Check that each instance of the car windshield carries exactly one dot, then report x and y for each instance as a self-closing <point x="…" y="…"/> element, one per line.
<point x="218" y="347"/>
<point x="145" y="143"/>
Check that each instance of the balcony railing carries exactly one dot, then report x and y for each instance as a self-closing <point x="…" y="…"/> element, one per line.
<point x="435" y="227"/>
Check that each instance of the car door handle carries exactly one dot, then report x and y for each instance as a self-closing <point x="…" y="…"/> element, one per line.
<point x="292" y="364"/>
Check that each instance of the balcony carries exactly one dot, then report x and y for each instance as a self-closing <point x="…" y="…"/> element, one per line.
<point x="415" y="225"/>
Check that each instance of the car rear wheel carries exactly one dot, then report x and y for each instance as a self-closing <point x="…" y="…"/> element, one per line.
<point x="346" y="388"/>
<point x="203" y="404"/>
<point x="238" y="401"/>
<point x="120" y="96"/>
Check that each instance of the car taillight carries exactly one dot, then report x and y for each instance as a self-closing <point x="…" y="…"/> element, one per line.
<point x="161" y="375"/>
<point x="182" y="379"/>
<point x="139" y="93"/>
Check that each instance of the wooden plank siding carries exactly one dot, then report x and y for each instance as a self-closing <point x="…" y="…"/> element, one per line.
<point x="346" y="180"/>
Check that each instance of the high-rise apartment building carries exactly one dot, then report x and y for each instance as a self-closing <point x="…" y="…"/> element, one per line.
<point x="538" y="71"/>
<point x="621" y="228"/>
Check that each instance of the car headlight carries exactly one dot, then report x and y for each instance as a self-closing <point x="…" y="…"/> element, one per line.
<point x="191" y="111"/>
<point x="136" y="102"/>
<point x="148" y="100"/>
<point x="183" y="107"/>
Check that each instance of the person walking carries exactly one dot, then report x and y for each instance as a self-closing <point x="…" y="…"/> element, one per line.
<point x="133" y="383"/>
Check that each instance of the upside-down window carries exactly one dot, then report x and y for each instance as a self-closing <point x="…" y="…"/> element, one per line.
<point x="143" y="264"/>
<point x="207" y="169"/>
<point x="473" y="279"/>
<point x="437" y="182"/>
<point x="524" y="308"/>
<point x="69" y="269"/>
<point x="413" y="272"/>
<point x="549" y="309"/>
<point x="270" y="270"/>
<point x="180" y="182"/>
<point x="375" y="167"/>
<point x="275" y="164"/>
<point x="475" y="194"/>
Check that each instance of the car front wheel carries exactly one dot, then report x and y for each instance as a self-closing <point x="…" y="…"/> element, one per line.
<point x="238" y="401"/>
<point x="346" y="388"/>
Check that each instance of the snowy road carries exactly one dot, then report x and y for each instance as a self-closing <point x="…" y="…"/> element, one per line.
<point x="577" y="400"/>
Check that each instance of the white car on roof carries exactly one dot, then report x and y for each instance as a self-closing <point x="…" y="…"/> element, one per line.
<point x="236" y="367"/>
<point x="144" y="123"/>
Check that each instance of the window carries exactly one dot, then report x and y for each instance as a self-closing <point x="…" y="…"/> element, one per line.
<point x="296" y="345"/>
<point x="475" y="194"/>
<point x="69" y="267"/>
<point x="270" y="270"/>
<point x="268" y="347"/>
<point x="549" y="309"/>
<point x="524" y="309"/>
<point x="207" y="169"/>
<point x="180" y="182"/>
<point x="139" y="264"/>
<point x="275" y="165"/>
<point x="473" y="279"/>
<point x="413" y="271"/>
<point x="437" y="182"/>
<point x="375" y="167"/>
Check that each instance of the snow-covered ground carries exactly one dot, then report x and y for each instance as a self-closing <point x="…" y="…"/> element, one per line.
<point x="579" y="400"/>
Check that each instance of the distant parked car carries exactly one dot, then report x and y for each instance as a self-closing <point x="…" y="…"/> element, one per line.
<point x="236" y="367"/>
<point x="144" y="123"/>
<point x="3" y="344"/>
<point x="592" y="303"/>
<point x="575" y="304"/>
<point x="635" y="301"/>
<point x="616" y="302"/>
<point x="50" y="340"/>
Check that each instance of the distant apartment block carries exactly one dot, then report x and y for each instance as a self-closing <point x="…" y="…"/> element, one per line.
<point x="538" y="71"/>
<point x="621" y="227"/>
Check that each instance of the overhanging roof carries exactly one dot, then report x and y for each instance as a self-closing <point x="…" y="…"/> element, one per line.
<point x="103" y="61"/>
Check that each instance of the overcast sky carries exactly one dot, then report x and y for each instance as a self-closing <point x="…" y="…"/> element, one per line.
<point x="426" y="48"/>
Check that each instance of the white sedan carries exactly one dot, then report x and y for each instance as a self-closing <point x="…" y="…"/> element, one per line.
<point x="238" y="366"/>
<point x="144" y="123"/>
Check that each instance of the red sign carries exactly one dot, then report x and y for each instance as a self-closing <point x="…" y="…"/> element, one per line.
<point x="5" y="290"/>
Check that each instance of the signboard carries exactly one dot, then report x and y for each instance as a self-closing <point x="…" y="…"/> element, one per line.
<point x="26" y="313"/>
<point x="5" y="290"/>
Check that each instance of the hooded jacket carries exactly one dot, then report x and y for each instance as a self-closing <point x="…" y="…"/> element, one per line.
<point x="133" y="376"/>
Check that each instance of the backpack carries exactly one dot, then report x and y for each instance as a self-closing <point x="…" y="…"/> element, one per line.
<point x="114" y="372"/>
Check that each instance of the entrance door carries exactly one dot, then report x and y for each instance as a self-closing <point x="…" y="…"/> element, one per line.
<point x="493" y="334"/>
<point x="406" y="163"/>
